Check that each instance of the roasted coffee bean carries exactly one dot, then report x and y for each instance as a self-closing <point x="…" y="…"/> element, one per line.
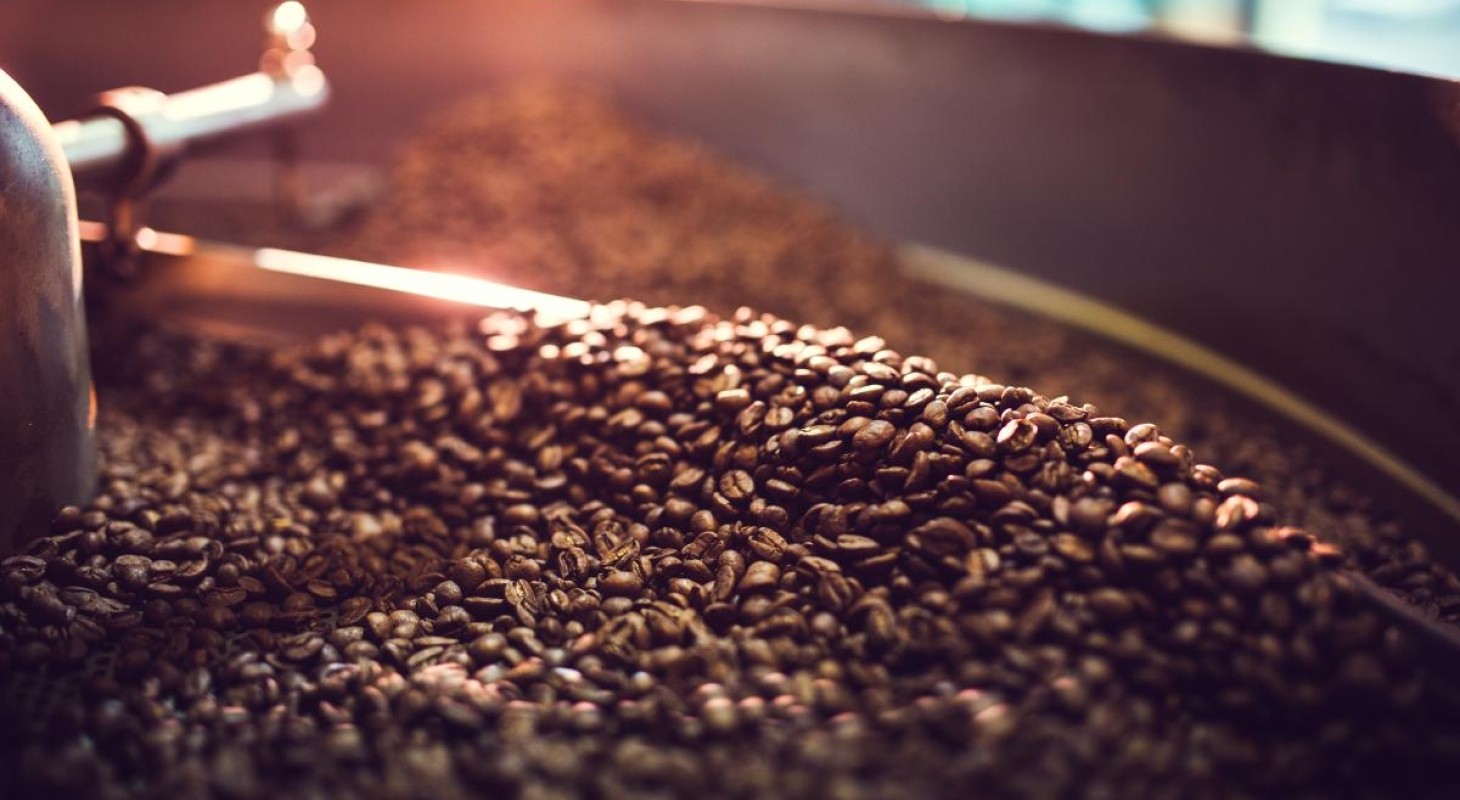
<point x="874" y="435"/>
<point x="1111" y="603"/>
<point x="760" y="576"/>
<point x="1017" y="435"/>
<point x="1175" y="537"/>
<point x="1246" y="574"/>
<point x="766" y="544"/>
<point x="468" y="574"/>
<point x="737" y="485"/>
<point x="622" y="583"/>
<point x="1074" y="549"/>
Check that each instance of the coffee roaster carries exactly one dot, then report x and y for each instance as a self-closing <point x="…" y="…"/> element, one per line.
<point x="1282" y="229"/>
<point x="1236" y="212"/>
<point x="1253" y="204"/>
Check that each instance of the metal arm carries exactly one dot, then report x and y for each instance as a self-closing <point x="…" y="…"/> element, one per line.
<point x="135" y="134"/>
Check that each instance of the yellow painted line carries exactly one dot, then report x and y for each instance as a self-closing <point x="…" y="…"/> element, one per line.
<point x="1045" y="299"/>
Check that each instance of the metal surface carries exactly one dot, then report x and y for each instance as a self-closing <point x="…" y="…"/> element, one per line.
<point x="47" y="408"/>
<point x="99" y="147"/>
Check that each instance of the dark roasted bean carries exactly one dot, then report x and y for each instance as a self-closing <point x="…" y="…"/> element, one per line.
<point x="737" y="485"/>
<point x="874" y="435"/>
<point x="622" y="583"/>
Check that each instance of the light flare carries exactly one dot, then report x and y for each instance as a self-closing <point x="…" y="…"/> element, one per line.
<point x="288" y="17"/>
<point x="446" y="286"/>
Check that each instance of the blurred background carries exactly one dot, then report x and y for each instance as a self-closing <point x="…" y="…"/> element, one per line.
<point x="1410" y="35"/>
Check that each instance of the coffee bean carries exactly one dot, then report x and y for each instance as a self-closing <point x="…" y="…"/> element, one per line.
<point x="1236" y="511"/>
<point x="1111" y="603"/>
<point x="760" y="576"/>
<point x="737" y="485"/>
<point x="875" y="435"/>
<point x="766" y="544"/>
<point x="1074" y="548"/>
<point x="467" y="574"/>
<point x="732" y="401"/>
<point x="622" y="583"/>
<point x="1017" y="435"/>
<point x="1246" y="574"/>
<point x="1175" y="537"/>
<point x="835" y="592"/>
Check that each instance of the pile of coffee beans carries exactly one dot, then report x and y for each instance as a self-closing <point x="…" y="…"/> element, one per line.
<point x="678" y="552"/>
<point x="661" y="552"/>
<point x="557" y="190"/>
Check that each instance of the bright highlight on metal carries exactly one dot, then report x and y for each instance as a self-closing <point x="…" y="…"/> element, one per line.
<point x="288" y="17"/>
<point x="440" y="285"/>
<point x="151" y="241"/>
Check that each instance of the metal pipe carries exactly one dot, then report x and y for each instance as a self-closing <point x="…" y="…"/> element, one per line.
<point x="104" y="149"/>
<point x="135" y="134"/>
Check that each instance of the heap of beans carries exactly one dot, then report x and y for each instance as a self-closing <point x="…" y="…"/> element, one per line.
<point x="670" y="554"/>
<point x="678" y="552"/>
<point x="557" y="190"/>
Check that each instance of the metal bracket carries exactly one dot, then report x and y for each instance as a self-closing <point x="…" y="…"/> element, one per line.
<point x="145" y="164"/>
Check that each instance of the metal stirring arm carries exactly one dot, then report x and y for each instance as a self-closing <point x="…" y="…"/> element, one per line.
<point x="136" y="136"/>
<point x="273" y="296"/>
